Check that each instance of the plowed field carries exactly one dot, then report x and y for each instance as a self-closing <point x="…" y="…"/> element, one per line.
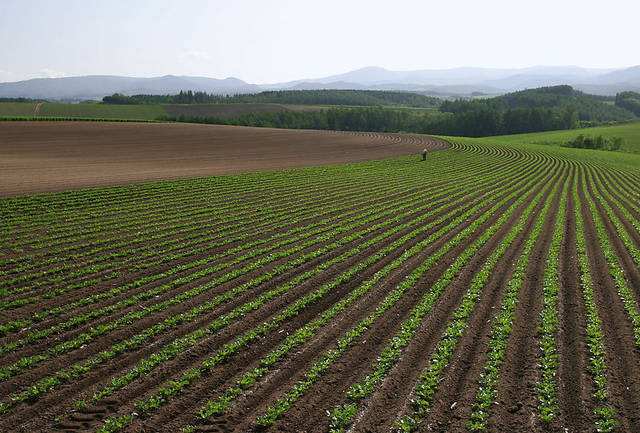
<point x="56" y="156"/>
<point x="490" y="288"/>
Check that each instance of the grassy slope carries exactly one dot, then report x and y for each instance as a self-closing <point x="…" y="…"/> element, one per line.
<point x="142" y="112"/>
<point x="225" y="111"/>
<point x="630" y="132"/>
<point x="94" y="111"/>
<point x="16" y="108"/>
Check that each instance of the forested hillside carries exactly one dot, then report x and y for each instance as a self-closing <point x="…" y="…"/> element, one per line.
<point x="302" y="97"/>
<point x="629" y="101"/>
<point x="544" y="109"/>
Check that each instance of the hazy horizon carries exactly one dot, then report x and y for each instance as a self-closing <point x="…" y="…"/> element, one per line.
<point x="286" y="40"/>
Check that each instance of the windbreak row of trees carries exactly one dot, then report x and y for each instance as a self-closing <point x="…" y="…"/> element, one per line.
<point x="184" y="97"/>
<point x="340" y="119"/>
<point x="300" y="97"/>
<point x="477" y="123"/>
<point x="342" y="97"/>
<point x="21" y="100"/>
<point x="485" y="121"/>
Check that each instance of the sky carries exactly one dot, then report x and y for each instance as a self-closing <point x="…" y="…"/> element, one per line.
<point x="268" y="41"/>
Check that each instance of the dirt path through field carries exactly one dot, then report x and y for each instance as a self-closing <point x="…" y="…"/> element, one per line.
<point x="56" y="156"/>
<point x="36" y="109"/>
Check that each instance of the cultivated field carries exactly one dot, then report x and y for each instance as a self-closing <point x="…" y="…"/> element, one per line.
<point x="492" y="287"/>
<point x="629" y="132"/>
<point x="55" y="156"/>
<point x="141" y="112"/>
<point x="85" y="111"/>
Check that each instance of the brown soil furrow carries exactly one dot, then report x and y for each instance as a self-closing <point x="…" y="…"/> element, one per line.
<point x="621" y="356"/>
<point x="264" y="233"/>
<point x="99" y="344"/>
<point x="631" y="271"/>
<point x="91" y="290"/>
<point x="215" y="341"/>
<point x="230" y="371"/>
<point x="456" y="395"/>
<point x="574" y="383"/>
<point x="358" y="359"/>
<point x="516" y="394"/>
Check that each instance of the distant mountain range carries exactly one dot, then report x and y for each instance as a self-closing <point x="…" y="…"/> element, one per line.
<point x="466" y="81"/>
<point x="437" y="82"/>
<point x="98" y="86"/>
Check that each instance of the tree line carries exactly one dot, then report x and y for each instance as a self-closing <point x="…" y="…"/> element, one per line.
<point x="534" y="110"/>
<point x="476" y="123"/>
<point x="21" y="100"/>
<point x="297" y="97"/>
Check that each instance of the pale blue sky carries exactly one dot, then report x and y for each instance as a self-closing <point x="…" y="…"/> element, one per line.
<point x="278" y="40"/>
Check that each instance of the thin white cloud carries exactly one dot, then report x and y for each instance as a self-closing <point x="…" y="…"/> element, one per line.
<point x="195" y="55"/>
<point x="49" y="73"/>
<point x="7" y="76"/>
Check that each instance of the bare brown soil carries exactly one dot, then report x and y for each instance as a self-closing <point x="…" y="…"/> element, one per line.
<point x="57" y="156"/>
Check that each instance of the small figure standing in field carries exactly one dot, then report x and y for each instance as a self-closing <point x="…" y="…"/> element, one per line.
<point x="424" y="154"/>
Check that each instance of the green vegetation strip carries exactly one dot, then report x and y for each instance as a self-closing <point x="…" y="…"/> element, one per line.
<point x="430" y="378"/>
<point x="547" y="385"/>
<point x="178" y="346"/>
<point x="127" y="319"/>
<point x="604" y="412"/>
<point x="292" y="220"/>
<point x="173" y="388"/>
<point x="218" y="406"/>
<point x="613" y="262"/>
<point x="501" y="330"/>
<point x="46" y="384"/>
<point x="342" y="416"/>
<point x="235" y="224"/>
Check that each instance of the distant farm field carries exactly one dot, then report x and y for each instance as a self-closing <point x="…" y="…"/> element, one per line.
<point x="226" y="111"/>
<point x="629" y="132"/>
<point x="141" y="112"/>
<point x="95" y="111"/>
<point x="493" y="287"/>
<point x="54" y="156"/>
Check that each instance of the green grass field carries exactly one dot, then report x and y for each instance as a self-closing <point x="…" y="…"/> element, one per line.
<point x="153" y="112"/>
<point x="14" y="109"/>
<point x="102" y="111"/>
<point x="87" y="111"/>
<point x="630" y="132"/>
<point x="142" y="112"/>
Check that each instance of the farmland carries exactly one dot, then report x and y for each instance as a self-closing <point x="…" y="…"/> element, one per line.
<point x="493" y="287"/>
<point x="56" y="156"/>
<point x="86" y="111"/>
<point x="139" y="112"/>
<point x="629" y="132"/>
